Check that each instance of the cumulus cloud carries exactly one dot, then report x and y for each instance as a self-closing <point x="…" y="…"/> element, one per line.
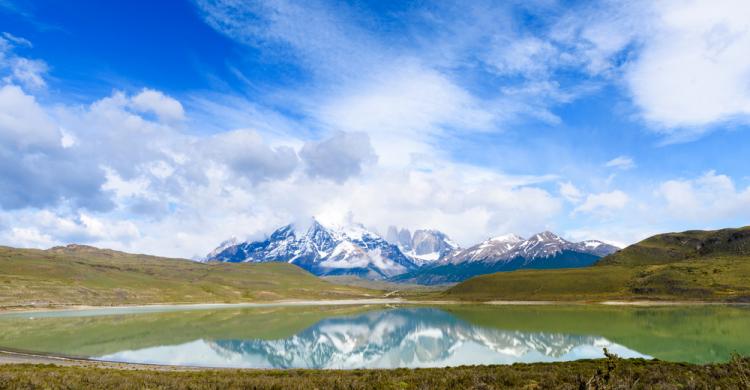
<point x="709" y="197"/>
<point x="44" y="228"/>
<point x="339" y="157"/>
<point x="621" y="162"/>
<point x="683" y="62"/>
<point x="249" y="157"/>
<point x="693" y="69"/>
<point x="603" y="203"/>
<point x="163" y="106"/>
<point x="35" y="169"/>
<point x="23" y="123"/>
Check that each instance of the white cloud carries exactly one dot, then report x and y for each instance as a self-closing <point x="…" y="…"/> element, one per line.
<point x="163" y="106"/>
<point x="693" y="69"/>
<point x="621" y="162"/>
<point x="604" y="203"/>
<point x="570" y="192"/>
<point x="683" y="62"/>
<point x="708" y="198"/>
<point x="23" y="123"/>
<point x="403" y="107"/>
<point x="28" y="72"/>
<point x="529" y="56"/>
<point x="249" y="157"/>
<point x="339" y="157"/>
<point x="18" y="41"/>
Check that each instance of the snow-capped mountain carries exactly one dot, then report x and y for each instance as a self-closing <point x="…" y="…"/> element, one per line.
<point x="539" y="246"/>
<point x="322" y="250"/>
<point x="544" y="250"/>
<point x="426" y="256"/>
<point x="424" y="246"/>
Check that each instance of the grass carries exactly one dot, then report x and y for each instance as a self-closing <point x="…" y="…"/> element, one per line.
<point x="80" y="275"/>
<point x="676" y="247"/>
<point x="610" y="373"/>
<point x="718" y="279"/>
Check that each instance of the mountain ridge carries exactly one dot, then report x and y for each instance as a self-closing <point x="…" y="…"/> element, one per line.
<point x="332" y="250"/>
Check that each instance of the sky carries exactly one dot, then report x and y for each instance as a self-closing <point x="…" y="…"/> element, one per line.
<point x="167" y="127"/>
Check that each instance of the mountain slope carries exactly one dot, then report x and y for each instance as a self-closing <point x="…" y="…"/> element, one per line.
<point x="322" y="250"/>
<point x="674" y="247"/>
<point x="544" y="250"/>
<point x="694" y="265"/>
<point x="84" y="275"/>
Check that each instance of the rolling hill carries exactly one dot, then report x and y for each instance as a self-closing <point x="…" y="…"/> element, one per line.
<point x="84" y="275"/>
<point x="692" y="265"/>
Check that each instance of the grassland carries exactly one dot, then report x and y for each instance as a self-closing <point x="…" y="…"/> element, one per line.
<point x="687" y="266"/>
<point x="612" y="373"/>
<point x="717" y="279"/>
<point x="81" y="275"/>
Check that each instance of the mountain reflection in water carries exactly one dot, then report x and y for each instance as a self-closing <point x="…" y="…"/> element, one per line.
<point x="407" y="337"/>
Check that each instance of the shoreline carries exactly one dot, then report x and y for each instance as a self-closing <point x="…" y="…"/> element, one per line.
<point x="159" y="307"/>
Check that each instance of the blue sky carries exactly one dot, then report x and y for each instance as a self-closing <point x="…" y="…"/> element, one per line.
<point x="166" y="127"/>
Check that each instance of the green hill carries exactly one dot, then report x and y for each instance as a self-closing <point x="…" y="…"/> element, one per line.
<point x="693" y="265"/>
<point x="83" y="275"/>
<point x="675" y="247"/>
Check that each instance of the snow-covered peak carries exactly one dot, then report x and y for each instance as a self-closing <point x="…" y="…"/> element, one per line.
<point x="323" y="250"/>
<point x="507" y="238"/>
<point x="223" y="246"/>
<point x="541" y="245"/>
<point x="547" y="236"/>
<point x="424" y="246"/>
<point x="353" y="231"/>
<point x="593" y="244"/>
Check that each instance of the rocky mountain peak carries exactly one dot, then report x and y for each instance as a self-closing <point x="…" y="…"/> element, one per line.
<point x="424" y="246"/>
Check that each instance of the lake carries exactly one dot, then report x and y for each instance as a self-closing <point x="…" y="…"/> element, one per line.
<point x="382" y="337"/>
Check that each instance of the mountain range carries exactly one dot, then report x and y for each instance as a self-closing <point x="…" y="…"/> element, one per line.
<point x="425" y="257"/>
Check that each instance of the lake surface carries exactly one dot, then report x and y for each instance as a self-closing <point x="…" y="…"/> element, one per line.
<point x="383" y="337"/>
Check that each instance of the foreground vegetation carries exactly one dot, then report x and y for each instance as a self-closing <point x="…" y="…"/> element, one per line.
<point x="693" y="265"/>
<point x="82" y="275"/>
<point x="610" y="373"/>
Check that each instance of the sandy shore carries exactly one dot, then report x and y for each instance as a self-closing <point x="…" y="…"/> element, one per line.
<point x="199" y="306"/>
<point x="158" y="307"/>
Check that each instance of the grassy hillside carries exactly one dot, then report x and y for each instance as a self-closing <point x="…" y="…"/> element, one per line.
<point x="693" y="244"/>
<point x="82" y="275"/>
<point x="694" y="265"/>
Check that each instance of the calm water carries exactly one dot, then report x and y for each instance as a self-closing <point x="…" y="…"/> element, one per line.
<point x="369" y="337"/>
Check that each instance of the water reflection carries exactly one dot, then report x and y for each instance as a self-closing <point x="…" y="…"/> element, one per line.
<point x="407" y="337"/>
